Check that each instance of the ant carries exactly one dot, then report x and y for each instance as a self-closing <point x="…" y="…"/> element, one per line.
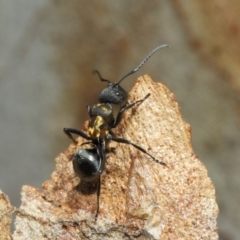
<point x="89" y="164"/>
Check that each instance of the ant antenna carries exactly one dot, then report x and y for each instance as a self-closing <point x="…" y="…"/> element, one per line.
<point x="140" y="65"/>
<point x="100" y="77"/>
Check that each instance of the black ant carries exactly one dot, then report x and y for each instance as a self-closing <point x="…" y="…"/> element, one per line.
<point x="89" y="163"/>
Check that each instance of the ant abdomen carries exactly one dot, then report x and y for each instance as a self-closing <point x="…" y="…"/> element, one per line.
<point x="86" y="164"/>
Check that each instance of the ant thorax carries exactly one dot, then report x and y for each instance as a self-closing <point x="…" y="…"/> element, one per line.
<point x="101" y="121"/>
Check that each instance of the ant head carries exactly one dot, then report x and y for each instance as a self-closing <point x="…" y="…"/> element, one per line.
<point x="113" y="94"/>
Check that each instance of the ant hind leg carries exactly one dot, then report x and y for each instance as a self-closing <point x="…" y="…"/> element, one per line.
<point x="123" y="140"/>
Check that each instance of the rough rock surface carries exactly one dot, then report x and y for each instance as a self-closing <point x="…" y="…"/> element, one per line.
<point x="6" y="211"/>
<point x="139" y="197"/>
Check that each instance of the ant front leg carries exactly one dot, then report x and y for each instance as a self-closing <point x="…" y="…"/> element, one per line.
<point x="70" y="131"/>
<point x="123" y="109"/>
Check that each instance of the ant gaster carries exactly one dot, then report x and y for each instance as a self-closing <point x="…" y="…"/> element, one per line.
<point x="89" y="163"/>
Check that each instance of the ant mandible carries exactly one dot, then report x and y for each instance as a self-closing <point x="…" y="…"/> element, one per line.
<point x="89" y="164"/>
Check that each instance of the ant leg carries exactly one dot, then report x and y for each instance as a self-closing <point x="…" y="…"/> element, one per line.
<point x="90" y="142"/>
<point x="101" y="152"/>
<point x="89" y="111"/>
<point x="101" y="148"/>
<point x="123" y="140"/>
<point x="98" y="196"/>
<point x="123" y="109"/>
<point x="100" y="77"/>
<point x="70" y="131"/>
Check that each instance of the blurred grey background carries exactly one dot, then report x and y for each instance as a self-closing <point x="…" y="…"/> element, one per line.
<point x="49" y="48"/>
